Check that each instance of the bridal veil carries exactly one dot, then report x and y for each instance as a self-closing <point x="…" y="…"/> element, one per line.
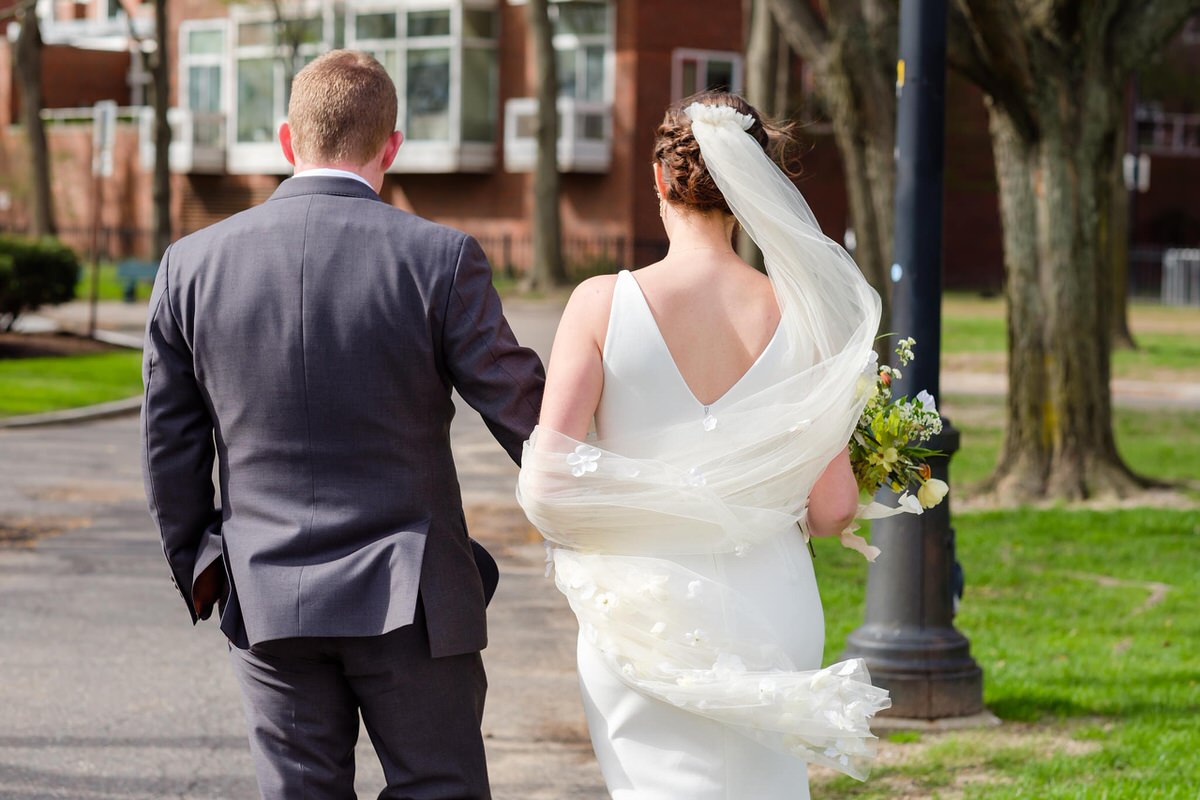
<point x="723" y="484"/>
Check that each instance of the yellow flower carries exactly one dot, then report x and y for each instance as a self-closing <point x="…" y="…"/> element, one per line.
<point x="890" y="456"/>
<point x="931" y="492"/>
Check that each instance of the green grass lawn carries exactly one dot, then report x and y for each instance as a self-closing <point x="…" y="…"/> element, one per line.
<point x="1096" y="675"/>
<point x="1161" y="443"/>
<point x="1086" y="624"/>
<point x="33" y="385"/>
<point x="1168" y="338"/>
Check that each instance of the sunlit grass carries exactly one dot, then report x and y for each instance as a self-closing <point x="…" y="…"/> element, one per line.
<point x="34" y="385"/>
<point x="1085" y="624"/>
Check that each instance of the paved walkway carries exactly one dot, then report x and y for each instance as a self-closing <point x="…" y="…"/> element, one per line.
<point x="106" y="692"/>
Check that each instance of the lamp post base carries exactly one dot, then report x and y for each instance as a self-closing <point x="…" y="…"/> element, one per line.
<point x="929" y="672"/>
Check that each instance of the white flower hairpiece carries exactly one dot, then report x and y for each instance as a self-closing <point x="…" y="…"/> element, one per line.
<point x="718" y="114"/>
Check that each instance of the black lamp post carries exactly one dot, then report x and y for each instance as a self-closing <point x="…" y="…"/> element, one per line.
<point x="908" y="639"/>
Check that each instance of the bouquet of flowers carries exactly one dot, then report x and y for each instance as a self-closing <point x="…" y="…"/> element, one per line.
<point x="887" y="448"/>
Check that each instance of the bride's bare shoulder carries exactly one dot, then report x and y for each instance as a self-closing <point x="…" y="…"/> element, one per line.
<point x="590" y="306"/>
<point x="592" y="299"/>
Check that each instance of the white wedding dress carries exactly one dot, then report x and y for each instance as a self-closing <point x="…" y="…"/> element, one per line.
<point x="648" y="749"/>
<point x="673" y="531"/>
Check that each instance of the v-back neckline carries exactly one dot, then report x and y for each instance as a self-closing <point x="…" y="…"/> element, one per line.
<point x="675" y="364"/>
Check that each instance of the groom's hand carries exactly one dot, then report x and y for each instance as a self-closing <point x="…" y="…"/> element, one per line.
<point x="207" y="589"/>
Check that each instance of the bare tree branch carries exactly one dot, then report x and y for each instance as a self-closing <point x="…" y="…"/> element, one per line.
<point x="1143" y="26"/>
<point x="803" y="27"/>
<point x="987" y="45"/>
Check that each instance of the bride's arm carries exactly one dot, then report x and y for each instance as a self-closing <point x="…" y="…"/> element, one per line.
<point x="834" y="498"/>
<point x="576" y="374"/>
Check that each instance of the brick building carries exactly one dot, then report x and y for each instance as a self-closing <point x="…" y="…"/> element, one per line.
<point x="464" y="77"/>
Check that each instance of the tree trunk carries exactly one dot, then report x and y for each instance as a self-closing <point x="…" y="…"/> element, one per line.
<point x="547" y="269"/>
<point x="162" y="134"/>
<point x="1121" y="226"/>
<point x="852" y="52"/>
<point x="1055" y="192"/>
<point x="762" y="57"/>
<point x="28" y="67"/>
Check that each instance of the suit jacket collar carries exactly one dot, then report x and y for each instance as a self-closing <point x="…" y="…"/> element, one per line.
<point x="324" y="184"/>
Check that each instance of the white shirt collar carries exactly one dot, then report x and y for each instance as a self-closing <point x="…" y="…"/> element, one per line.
<point x="329" y="172"/>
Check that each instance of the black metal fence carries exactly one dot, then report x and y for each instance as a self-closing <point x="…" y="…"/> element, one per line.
<point x="583" y="257"/>
<point x="510" y="255"/>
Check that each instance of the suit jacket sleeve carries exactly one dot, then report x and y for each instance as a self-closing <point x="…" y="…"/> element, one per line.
<point x="496" y="376"/>
<point x="177" y="445"/>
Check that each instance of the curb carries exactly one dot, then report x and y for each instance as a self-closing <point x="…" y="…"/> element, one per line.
<point x="115" y="408"/>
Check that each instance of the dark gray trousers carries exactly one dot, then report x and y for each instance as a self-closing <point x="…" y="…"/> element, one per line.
<point x="302" y="699"/>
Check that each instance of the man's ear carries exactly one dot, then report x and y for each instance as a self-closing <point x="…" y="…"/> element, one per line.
<point x="285" y="142"/>
<point x="390" y="149"/>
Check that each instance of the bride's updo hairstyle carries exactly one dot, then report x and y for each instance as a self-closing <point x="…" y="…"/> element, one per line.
<point x="688" y="183"/>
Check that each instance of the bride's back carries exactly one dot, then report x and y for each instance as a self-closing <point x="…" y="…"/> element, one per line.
<point x="715" y="314"/>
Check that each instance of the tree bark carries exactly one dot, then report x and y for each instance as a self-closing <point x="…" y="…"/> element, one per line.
<point x="547" y="269"/>
<point x="28" y="67"/>
<point x="162" y="133"/>
<point x="762" y="58"/>
<point x="851" y="48"/>
<point x="1120" y="227"/>
<point x="1055" y="146"/>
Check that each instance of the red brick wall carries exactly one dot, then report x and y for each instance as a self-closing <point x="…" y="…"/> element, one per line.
<point x="74" y="78"/>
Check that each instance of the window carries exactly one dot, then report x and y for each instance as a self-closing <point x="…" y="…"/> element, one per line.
<point x="441" y="54"/>
<point x="582" y="42"/>
<point x="264" y="48"/>
<point x="695" y="71"/>
<point x="202" y="55"/>
<point x="443" y="61"/>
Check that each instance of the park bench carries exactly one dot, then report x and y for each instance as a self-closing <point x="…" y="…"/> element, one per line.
<point x="132" y="270"/>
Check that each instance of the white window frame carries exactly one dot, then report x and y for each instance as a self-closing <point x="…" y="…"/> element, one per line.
<point x="703" y="57"/>
<point x="579" y="42"/>
<point x="436" y="156"/>
<point x="252" y="158"/>
<point x="453" y="153"/>
<point x="575" y="153"/>
<point x="188" y="59"/>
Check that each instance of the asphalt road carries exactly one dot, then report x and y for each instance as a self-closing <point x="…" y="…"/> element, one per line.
<point x="107" y="692"/>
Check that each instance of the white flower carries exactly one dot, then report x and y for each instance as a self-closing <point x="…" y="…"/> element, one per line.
<point x="696" y="638"/>
<point x="710" y="423"/>
<point x="607" y="601"/>
<point x="628" y="671"/>
<point x="910" y="504"/>
<point x="927" y="402"/>
<point x="694" y="589"/>
<point x="932" y="492"/>
<point x="658" y="629"/>
<point x="655" y="586"/>
<point x="872" y="367"/>
<point x="740" y="549"/>
<point x="583" y="460"/>
<point x="694" y="477"/>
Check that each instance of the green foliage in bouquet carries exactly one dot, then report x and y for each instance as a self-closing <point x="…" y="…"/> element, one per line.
<point x="887" y="447"/>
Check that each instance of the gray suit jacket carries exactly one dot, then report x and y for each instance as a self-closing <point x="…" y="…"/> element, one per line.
<point x="311" y="343"/>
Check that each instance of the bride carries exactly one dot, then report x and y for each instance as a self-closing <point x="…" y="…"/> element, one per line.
<point x="722" y="402"/>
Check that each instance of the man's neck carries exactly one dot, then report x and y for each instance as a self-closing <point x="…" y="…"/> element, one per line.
<point x="340" y="170"/>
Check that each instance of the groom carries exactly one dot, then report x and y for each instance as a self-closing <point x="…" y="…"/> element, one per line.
<point x="310" y="344"/>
